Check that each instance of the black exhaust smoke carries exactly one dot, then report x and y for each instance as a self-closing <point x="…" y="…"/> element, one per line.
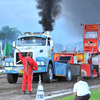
<point x="49" y="11"/>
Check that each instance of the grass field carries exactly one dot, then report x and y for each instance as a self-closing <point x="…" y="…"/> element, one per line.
<point x="2" y="73"/>
<point x="95" y="95"/>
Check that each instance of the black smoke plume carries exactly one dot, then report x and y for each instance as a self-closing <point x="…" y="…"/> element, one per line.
<point x="49" y="10"/>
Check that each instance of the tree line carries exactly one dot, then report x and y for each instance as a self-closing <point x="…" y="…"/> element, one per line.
<point x="8" y="35"/>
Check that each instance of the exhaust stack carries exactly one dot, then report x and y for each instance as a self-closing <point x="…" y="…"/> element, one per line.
<point x="47" y="32"/>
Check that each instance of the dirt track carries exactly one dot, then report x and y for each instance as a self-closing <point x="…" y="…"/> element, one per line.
<point x="13" y="91"/>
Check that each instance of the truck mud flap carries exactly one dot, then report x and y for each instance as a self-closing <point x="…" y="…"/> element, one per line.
<point x="76" y="69"/>
<point x="60" y="69"/>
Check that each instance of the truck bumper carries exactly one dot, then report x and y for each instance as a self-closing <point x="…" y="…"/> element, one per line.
<point x="19" y="70"/>
<point x="13" y="70"/>
<point x="41" y="69"/>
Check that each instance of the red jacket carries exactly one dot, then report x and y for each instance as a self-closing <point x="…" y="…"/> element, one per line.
<point x="31" y="62"/>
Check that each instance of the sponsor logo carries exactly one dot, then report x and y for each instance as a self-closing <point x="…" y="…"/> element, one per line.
<point x="91" y="44"/>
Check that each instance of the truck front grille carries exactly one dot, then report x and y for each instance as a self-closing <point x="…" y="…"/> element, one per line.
<point x="24" y="54"/>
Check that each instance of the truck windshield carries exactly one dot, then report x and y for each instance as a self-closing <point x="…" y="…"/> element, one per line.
<point x="91" y="34"/>
<point x="34" y="41"/>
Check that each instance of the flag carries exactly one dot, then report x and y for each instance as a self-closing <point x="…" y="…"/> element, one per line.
<point x="7" y="50"/>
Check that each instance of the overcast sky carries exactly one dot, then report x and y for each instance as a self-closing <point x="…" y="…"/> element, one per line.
<point x="23" y="15"/>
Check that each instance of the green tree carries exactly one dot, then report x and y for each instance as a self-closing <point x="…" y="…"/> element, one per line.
<point x="8" y="34"/>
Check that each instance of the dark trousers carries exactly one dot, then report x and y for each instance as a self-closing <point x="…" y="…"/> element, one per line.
<point x="86" y="97"/>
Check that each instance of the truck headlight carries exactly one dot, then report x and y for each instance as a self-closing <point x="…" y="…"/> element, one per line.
<point x="7" y="64"/>
<point x="38" y="62"/>
<point x="11" y="63"/>
<point x="42" y="63"/>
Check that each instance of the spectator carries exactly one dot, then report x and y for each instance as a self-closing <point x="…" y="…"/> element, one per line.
<point x="81" y="89"/>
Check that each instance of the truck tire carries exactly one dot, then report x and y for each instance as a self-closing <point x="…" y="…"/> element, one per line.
<point x="48" y="76"/>
<point x="12" y="78"/>
<point x="68" y="74"/>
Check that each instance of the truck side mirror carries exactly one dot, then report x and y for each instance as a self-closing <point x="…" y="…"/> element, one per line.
<point x="14" y="43"/>
<point x="51" y="43"/>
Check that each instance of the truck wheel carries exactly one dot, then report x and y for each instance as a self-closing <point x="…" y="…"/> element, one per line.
<point x="12" y="78"/>
<point x="68" y="74"/>
<point x="48" y="76"/>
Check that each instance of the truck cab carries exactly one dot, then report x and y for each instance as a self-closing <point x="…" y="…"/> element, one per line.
<point x="91" y="41"/>
<point x="91" y="38"/>
<point x="41" y="47"/>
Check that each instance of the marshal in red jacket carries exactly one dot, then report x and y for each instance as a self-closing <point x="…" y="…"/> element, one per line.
<point x="31" y="61"/>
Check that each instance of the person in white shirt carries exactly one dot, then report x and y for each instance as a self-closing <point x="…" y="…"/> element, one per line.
<point x="81" y="89"/>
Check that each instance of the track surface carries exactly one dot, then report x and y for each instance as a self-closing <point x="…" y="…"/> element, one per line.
<point x="13" y="91"/>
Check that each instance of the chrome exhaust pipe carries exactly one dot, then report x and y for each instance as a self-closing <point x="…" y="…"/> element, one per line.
<point x="47" y="32"/>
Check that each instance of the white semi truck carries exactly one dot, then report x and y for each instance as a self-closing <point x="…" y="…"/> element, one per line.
<point x="41" y="47"/>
